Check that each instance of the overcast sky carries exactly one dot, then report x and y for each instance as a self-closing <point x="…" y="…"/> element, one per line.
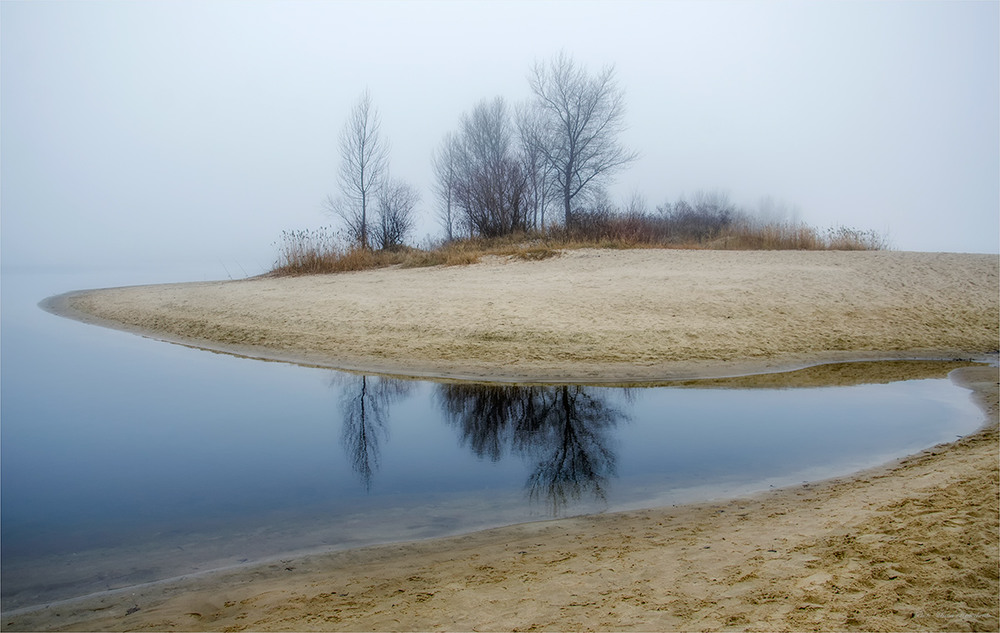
<point x="165" y="133"/>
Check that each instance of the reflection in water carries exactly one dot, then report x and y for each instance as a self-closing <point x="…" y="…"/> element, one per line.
<point x="565" y="428"/>
<point x="365" y="402"/>
<point x="563" y="432"/>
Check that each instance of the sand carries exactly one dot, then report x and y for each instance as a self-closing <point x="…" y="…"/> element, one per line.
<point x="912" y="545"/>
<point x="595" y="316"/>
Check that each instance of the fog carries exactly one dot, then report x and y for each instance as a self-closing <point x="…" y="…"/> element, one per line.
<point x="160" y="134"/>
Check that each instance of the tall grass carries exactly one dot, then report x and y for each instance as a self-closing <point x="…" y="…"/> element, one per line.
<point x="325" y="251"/>
<point x="306" y="251"/>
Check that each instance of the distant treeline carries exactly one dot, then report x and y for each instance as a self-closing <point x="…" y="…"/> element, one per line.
<point x="712" y="220"/>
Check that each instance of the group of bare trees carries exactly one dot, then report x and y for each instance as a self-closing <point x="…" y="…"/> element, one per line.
<point x="377" y="210"/>
<point x="480" y="175"/>
<point x="500" y="170"/>
<point x="504" y="167"/>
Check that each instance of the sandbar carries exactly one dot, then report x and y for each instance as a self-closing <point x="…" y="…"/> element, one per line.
<point x="587" y="316"/>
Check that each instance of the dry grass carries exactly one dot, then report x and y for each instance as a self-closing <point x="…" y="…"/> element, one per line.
<point x="320" y="251"/>
<point x="324" y="251"/>
<point x="799" y="237"/>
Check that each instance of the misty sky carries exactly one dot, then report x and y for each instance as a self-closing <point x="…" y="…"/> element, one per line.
<point x="191" y="133"/>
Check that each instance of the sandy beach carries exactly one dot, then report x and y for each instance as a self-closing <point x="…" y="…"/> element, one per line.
<point x="597" y="316"/>
<point x="911" y="545"/>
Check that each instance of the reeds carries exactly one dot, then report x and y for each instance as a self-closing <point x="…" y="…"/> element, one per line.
<point x="306" y="251"/>
<point x="324" y="251"/>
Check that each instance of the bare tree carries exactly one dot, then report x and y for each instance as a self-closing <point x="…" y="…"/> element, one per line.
<point x="395" y="201"/>
<point x="537" y="170"/>
<point x="584" y="116"/>
<point x="490" y="186"/>
<point x="364" y="158"/>
<point x="445" y="161"/>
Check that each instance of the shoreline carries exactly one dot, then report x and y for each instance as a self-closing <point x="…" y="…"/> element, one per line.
<point x="833" y="516"/>
<point x="681" y="371"/>
<point x="911" y="544"/>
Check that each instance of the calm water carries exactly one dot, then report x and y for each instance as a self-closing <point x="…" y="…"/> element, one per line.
<point x="125" y="460"/>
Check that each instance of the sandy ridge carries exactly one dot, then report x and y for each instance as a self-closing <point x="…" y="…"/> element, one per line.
<point x="586" y="316"/>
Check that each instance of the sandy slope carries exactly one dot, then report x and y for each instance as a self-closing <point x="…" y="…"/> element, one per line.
<point x="592" y="315"/>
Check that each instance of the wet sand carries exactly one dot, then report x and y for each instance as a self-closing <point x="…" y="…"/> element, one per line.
<point x="912" y="545"/>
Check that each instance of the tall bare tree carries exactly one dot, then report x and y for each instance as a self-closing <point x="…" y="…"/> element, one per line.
<point x="584" y="115"/>
<point x="537" y="170"/>
<point x="364" y="158"/>
<point x="445" y="161"/>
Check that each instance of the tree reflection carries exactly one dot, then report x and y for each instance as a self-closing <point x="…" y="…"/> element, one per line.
<point x="365" y="402"/>
<point x="577" y="457"/>
<point x="564" y="428"/>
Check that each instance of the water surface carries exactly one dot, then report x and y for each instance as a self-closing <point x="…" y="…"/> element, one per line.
<point x="127" y="460"/>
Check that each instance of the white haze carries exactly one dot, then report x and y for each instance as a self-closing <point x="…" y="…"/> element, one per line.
<point x="152" y="134"/>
